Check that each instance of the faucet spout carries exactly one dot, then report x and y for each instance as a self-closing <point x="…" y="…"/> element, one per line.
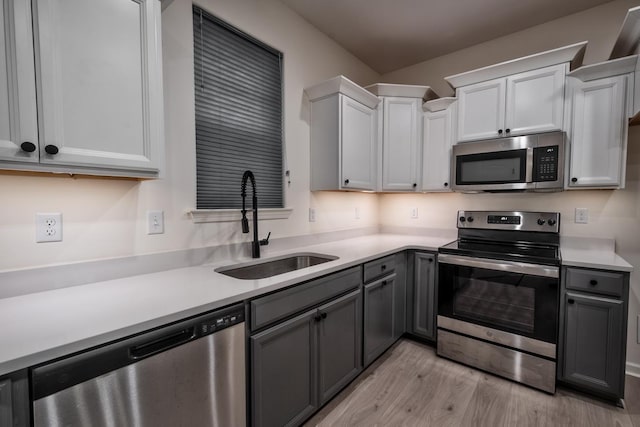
<point x="255" y="245"/>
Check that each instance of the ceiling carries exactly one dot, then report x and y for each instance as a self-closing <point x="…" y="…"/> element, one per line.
<point x="391" y="34"/>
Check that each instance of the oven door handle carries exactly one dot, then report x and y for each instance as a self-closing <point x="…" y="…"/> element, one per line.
<point x="499" y="265"/>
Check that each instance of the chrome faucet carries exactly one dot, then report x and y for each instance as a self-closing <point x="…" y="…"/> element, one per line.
<point x="255" y="245"/>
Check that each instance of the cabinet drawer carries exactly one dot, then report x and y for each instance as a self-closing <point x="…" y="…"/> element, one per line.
<point x="281" y="304"/>
<point x="379" y="267"/>
<point x="599" y="282"/>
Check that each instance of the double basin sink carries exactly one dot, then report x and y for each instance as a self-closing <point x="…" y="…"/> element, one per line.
<point x="274" y="266"/>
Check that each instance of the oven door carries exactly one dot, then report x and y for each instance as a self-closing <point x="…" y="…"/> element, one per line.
<point x="514" y="297"/>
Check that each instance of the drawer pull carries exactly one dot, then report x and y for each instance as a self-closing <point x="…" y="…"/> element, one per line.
<point x="571" y="301"/>
<point x="324" y="315"/>
<point x="384" y="282"/>
<point x="593" y="282"/>
<point x="383" y="267"/>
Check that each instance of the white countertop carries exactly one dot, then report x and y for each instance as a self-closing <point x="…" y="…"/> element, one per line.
<point x="42" y="326"/>
<point x="596" y="256"/>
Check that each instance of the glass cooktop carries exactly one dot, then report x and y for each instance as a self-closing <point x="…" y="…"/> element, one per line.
<point x="519" y="252"/>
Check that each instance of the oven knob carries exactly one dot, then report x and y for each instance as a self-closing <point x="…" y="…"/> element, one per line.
<point x="462" y="219"/>
<point x="541" y="221"/>
<point x="470" y="219"/>
<point x="551" y="222"/>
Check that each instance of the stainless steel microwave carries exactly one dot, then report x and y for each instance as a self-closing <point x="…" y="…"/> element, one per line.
<point x="520" y="163"/>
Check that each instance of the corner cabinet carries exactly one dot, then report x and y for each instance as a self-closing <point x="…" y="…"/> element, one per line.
<point x="593" y="330"/>
<point x="437" y="139"/>
<point x="400" y="148"/>
<point x="600" y="96"/>
<point x="399" y="133"/>
<point x="343" y="136"/>
<point x="518" y="104"/>
<point x="97" y="79"/>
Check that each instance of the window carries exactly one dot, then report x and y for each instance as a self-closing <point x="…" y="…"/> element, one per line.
<point x="238" y="94"/>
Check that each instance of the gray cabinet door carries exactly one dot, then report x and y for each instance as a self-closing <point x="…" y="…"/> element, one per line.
<point x="424" y="295"/>
<point x="593" y="343"/>
<point x="339" y="343"/>
<point x="15" y="408"/>
<point x="283" y="372"/>
<point x="378" y="317"/>
<point x="400" y="296"/>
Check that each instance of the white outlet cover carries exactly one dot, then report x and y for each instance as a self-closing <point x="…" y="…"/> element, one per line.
<point x="312" y="215"/>
<point x="155" y="222"/>
<point x="582" y="216"/>
<point x="414" y="213"/>
<point x="357" y="213"/>
<point x="48" y="227"/>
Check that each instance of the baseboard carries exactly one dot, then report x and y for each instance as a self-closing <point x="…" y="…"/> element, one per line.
<point x="633" y="369"/>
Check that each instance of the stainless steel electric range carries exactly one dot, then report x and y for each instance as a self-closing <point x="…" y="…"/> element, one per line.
<point x="498" y="291"/>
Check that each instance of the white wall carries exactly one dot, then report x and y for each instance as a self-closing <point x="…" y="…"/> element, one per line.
<point x="106" y="217"/>
<point x="612" y="214"/>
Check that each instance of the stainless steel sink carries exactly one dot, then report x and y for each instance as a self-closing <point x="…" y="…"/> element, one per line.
<point x="274" y="266"/>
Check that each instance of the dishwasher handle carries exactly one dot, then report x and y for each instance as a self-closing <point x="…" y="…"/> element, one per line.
<point x="162" y="343"/>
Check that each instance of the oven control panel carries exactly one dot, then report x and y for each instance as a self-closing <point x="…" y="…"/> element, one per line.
<point x="547" y="222"/>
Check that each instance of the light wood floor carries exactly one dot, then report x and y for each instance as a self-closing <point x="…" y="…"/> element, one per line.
<point x="411" y="386"/>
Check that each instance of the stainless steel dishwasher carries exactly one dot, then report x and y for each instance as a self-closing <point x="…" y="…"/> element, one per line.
<point x="191" y="373"/>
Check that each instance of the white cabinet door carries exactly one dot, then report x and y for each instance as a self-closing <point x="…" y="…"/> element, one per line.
<point x="481" y="110"/>
<point x="400" y="151"/>
<point x="18" y="113"/>
<point x="358" y="137"/>
<point x="100" y="83"/>
<point x="436" y="150"/>
<point x="598" y="133"/>
<point x="535" y="101"/>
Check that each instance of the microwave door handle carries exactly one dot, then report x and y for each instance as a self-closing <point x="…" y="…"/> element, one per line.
<point x="529" y="168"/>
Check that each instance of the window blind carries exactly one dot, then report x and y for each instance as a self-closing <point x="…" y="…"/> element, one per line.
<point x="238" y="96"/>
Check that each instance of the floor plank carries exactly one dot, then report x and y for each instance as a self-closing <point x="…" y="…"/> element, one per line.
<point x="411" y="386"/>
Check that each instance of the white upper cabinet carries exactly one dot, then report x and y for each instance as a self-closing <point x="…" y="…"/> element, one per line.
<point x="481" y="110"/>
<point x="519" y="104"/>
<point x="98" y="76"/>
<point x="343" y="136"/>
<point x="535" y="101"/>
<point x="18" y="113"/>
<point x="400" y="143"/>
<point x="400" y="134"/>
<point x="100" y="83"/>
<point x="358" y="148"/>
<point x="598" y="134"/>
<point x="437" y="138"/>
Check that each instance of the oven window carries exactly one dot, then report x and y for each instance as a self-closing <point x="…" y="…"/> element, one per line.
<point x="519" y="303"/>
<point x="491" y="168"/>
<point x="486" y="298"/>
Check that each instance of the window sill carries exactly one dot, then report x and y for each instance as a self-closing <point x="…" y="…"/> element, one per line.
<point x="230" y="215"/>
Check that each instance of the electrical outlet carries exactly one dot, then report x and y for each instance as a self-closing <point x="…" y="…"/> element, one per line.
<point x="48" y="227"/>
<point x="312" y="215"/>
<point x="414" y="213"/>
<point x="582" y="216"/>
<point x="357" y="213"/>
<point x="155" y="222"/>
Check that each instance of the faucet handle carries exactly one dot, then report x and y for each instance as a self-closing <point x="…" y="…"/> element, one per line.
<point x="265" y="242"/>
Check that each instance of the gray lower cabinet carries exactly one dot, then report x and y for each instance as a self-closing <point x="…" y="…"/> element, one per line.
<point x="400" y="296"/>
<point x="593" y="326"/>
<point x="379" y="304"/>
<point x="339" y="344"/>
<point x="422" y="295"/>
<point x="299" y="364"/>
<point x="14" y="400"/>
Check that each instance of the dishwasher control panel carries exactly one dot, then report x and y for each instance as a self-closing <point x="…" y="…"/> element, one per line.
<point x="220" y="320"/>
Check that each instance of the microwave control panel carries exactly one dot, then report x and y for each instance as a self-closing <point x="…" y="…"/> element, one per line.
<point x="545" y="163"/>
